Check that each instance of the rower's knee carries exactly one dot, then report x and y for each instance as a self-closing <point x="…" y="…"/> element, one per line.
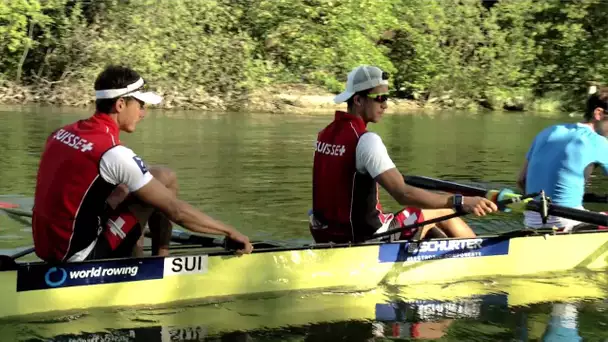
<point x="166" y="176"/>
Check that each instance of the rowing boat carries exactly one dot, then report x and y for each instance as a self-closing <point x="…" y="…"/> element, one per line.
<point x="206" y="274"/>
<point x="202" y="274"/>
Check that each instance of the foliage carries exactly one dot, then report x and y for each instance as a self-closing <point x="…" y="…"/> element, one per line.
<point x="457" y="51"/>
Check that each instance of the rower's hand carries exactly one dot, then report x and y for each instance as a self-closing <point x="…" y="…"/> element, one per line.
<point x="236" y="236"/>
<point x="480" y="206"/>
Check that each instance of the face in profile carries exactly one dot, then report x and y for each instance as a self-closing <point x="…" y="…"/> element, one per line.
<point x="130" y="112"/>
<point x="373" y="105"/>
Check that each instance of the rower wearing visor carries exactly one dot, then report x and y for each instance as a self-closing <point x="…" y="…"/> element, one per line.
<point x="350" y="162"/>
<point x="94" y="196"/>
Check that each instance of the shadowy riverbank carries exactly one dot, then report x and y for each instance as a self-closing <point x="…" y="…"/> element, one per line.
<point x="282" y="98"/>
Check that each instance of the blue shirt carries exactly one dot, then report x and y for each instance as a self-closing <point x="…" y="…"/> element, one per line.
<point x="557" y="160"/>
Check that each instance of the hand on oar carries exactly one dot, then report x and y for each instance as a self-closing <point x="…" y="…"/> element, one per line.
<point x="479" y="206"/>
<point x="246" y="246"/>
<point x="541" y="207"/>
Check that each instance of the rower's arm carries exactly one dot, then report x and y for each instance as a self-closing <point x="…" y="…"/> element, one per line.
<point x="120" y="165"/>
<point x="392" y="181"/>
<point x="372" y="157"/>
<point x="160" y="197"/>
<point x="521" y="178"/>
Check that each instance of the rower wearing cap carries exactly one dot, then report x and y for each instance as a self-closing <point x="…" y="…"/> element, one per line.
<point x="562" y="157"/>
<point x="80" y="211"/>
<point x="350" y="162"/>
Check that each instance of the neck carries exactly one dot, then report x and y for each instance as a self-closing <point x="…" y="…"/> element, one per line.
<point x="353" y="112"/>
<point x="114" y="117"/>
<point x="588" y="123"/>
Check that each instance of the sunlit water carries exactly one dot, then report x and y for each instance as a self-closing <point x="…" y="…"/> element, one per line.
<point x="254" y="172"/>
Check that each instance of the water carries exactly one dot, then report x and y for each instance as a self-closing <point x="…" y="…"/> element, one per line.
<point x="253" y="171"/>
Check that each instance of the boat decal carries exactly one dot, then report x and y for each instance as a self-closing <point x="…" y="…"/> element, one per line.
<point x="185" y="265"/>
<point x="44" y="276"/>
<point x="442" y="249"/>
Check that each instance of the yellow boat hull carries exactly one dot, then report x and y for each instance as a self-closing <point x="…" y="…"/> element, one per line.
<point x="191" y="275"/>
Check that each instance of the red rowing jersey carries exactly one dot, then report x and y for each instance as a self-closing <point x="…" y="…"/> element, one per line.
<point x="80" y="166"/>
<point x="345" y="200"/>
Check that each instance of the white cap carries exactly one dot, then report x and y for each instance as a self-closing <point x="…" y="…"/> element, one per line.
<point x="361" y="78"/>
<point x="134" y="90"/>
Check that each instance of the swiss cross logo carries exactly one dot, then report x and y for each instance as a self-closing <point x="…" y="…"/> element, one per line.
<point x="86" y="147"/>
<point x="140" y="163"/>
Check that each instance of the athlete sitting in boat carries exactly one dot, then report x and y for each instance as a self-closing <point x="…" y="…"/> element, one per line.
<point x="562" y="157"/>
<point x="84" y="162"/>
<point x="349" y="162"/>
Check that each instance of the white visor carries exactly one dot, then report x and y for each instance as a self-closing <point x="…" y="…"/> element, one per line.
<point x="130" y="90"/>
<point x="147" y="97"/>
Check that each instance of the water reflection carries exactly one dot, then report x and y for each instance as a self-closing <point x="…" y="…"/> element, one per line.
<point x="485" y="318"/>
<point x="495" y="310"/>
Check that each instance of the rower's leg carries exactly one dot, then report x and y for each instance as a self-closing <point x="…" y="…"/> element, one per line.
<point x="454" y="227"/>
<point x="160" y="226"/>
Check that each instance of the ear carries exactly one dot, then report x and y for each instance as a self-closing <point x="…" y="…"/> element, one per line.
<point x="120" y="104"/>
<point x="358" y="100"/>
<point x="598" y="114"/>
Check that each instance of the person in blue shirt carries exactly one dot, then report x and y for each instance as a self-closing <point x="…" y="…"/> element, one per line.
<point x="562" y="157"/>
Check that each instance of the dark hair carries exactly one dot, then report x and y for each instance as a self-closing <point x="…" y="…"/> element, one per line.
<point x="113" y="77"/>
<point x="598" y="99"/>
<point x="351" y="101"/>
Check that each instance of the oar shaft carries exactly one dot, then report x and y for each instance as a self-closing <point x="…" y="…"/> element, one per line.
<point x="417" y="225"/>
<point x="467" y="190"/>
<point x="441" y="185"/>
<point x="23" y="253"/>
<point x="593" y="198"/>
<point x="570" y="213"/>
<point x="17" y="212"/>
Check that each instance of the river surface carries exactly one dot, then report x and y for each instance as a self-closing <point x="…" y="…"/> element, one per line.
<point x="253" y="170"/>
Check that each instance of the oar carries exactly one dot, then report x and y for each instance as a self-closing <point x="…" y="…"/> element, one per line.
<point x="536" y="206"/>
<point x="468" y="190"/>
<point x="500" y="204"/>
<point x="176" y="236"/>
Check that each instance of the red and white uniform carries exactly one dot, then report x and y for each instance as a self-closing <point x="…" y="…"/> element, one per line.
<point x="81" y="165"/>
<point x="346" y="208"/>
